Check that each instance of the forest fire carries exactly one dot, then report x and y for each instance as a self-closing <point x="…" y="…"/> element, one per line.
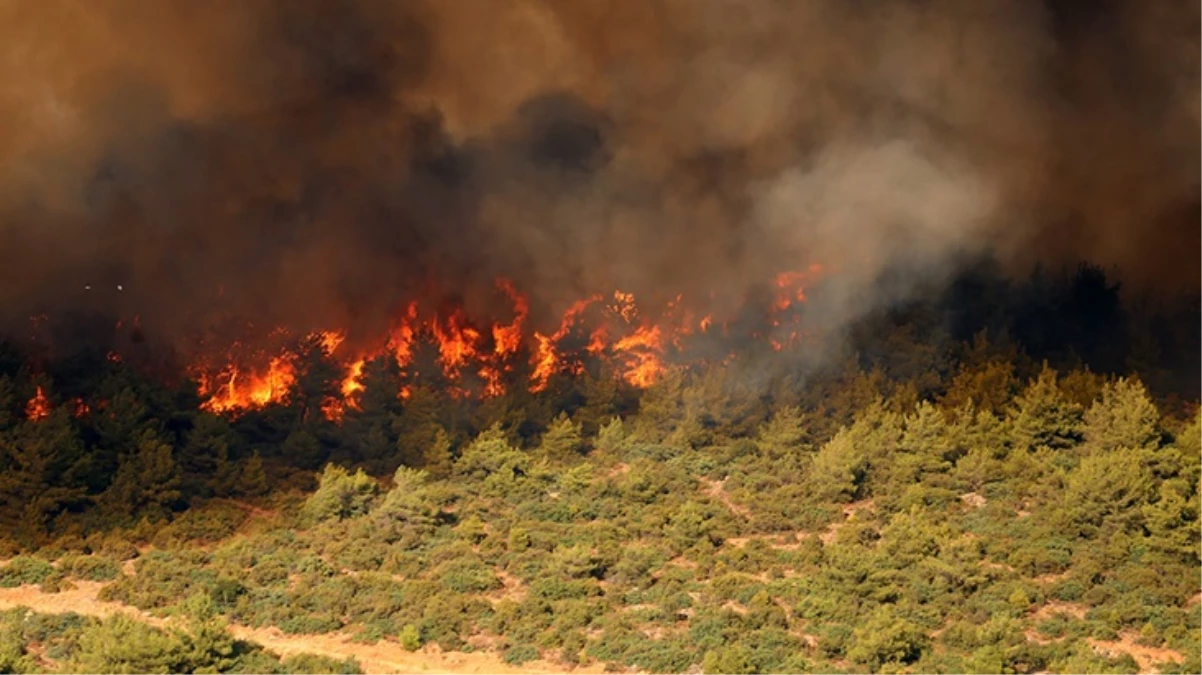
<point x="486" y="358"/>
<point x="240" y="389"/>
<point x="38" y="407"/>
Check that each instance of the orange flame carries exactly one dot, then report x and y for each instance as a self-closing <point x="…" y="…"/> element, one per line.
<point x="38" y="407"/>
<point x="456" y="343"/>
<point x="642" y="349"/>
<point x="255" y="390"/>
<point x="508" y="338"/>
<point x="547" y="361"/>
<point x="792" y="286"/>
<point x="330" y="340"/>
<point x="401" y="340"/>
<point x="351" y="385"/>
<point x="635" y="342"/>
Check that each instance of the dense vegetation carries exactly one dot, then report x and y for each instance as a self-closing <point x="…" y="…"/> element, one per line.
<point x="32" y="642"/>
<point x="968" y="493"/>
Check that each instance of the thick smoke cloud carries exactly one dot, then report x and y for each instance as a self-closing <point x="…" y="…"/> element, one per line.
<point x="315" y="163"/>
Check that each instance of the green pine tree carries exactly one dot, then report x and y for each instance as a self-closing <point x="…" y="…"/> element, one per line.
<point x="147" y="482"/>
<point x="1124" y="417"/>
<point x="42" y="472"/>
<point x="1042" y="416"/>
<point x="561" y="441"/>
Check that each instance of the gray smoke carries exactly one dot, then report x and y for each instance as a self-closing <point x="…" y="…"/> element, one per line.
<point x="317" y="163"/>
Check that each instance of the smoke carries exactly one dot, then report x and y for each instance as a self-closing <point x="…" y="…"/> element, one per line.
<point x="315" y="164"/>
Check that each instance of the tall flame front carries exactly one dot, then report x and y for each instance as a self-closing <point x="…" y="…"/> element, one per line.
<point x="611" y="329"/>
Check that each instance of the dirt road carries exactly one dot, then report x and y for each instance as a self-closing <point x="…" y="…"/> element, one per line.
<point x="382" y="657"/>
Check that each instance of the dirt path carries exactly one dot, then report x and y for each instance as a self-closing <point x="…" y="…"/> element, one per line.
<point x="717" y="490"/>
<point x="1145" y="657"/>
<point x="382" y="657"/>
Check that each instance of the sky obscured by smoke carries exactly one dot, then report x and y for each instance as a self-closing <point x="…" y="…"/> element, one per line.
<point x="316" y="163"/>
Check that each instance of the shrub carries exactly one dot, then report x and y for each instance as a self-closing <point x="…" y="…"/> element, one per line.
<point x="734" y="659"/>
<point x="24" y="570"/>
<point x="887" y="639"/>
<point x="312" y="664"/>
<point x="519" y="654"/>
<point x="410" y="638"/>
<point x="340" y="495"/>
<point x="90" y="567"/>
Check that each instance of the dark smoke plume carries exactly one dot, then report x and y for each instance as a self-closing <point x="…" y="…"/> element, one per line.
<point x="314" y="163"/>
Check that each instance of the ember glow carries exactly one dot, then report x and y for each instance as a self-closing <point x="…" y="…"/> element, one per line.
<point x="38" y="407"/>
<point x="636" y="344"/>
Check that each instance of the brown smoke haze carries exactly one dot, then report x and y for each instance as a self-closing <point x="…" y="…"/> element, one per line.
<point x="314" y="163"/>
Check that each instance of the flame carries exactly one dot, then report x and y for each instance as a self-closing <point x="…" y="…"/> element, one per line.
<point x="351" y="385"/>
<point x="38" y="407"/>
<point x="637" y="344"/>
<point x="254" y="390"/>
<point x="642" y="354"/>
<point x="456" y="342"/>
<point x="334" y="408"/>
<point x="791" y="286"/>
<point x="596" y="342"/>
<point x="401" y="340"/>
<point x="330" y="340"/>
<point x="508" y="338"/>
<point x="547" y="360"/>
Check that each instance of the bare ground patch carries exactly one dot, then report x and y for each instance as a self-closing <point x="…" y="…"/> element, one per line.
<point x="382" y="657"/>
<point x="1146" y="657"/>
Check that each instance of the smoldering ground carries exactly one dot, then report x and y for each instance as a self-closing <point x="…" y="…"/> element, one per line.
<point x="316" y="164"/>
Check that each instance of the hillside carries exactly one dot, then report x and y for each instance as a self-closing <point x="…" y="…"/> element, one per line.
<point x="1056" y="531"/>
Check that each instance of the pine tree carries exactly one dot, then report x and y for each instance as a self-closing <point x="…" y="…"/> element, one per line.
<point x="417" y="427"/>
<point x="661" y="409"/>
<point x="206" y="456"/>
<point x="380" y="396"/>
<point x="206" y="644"/>
<point x="613" y="438"/>
<point x="1189" y="441"/>
<point x="928" y="434"/>
<point x="1042" y="416"/>
<point x="124" y="420"/>
<point x="561" y="441"/>
<point x="436" y="459"/>
<point x="491" y="453"/>
<point x="1124" y="417"/>
<point x="989" y="386"/>
<point x="1113" y="485"/>
<point x="226" y="472"/>
<point x="252" y="480"/>
<point x="42" y="471"/>
<point x="302" y="448"/>
<point x="318" y="380"/>
<point x="368" y="429"/>
<point x="785" y="433"/>
<point x="147" y="482"/>
<point x="600" y="402"/>
<point x="340" y="495"/>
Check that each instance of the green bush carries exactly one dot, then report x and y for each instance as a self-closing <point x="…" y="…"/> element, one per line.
<point x="311" y="664"/>
<point x="410" y="638"/>
<point x="340" y="495"/>
<point x="90" y="567"/>
<point x="735" y="659"/>
<point x="519" y="654"/>
<point x="24" y="570"/>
